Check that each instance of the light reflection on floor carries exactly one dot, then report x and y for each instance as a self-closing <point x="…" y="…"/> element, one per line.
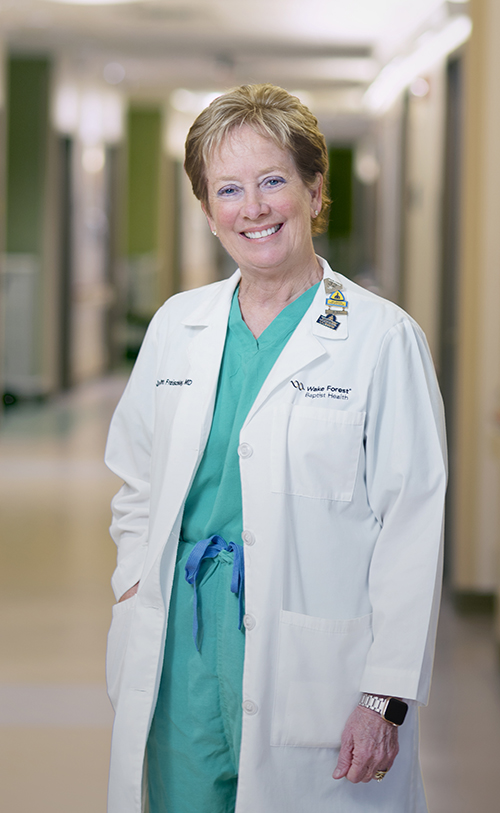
<point x="56" y="560"/>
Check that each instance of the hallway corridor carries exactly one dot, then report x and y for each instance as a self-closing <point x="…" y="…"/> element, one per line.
<point x="56" y="560"/>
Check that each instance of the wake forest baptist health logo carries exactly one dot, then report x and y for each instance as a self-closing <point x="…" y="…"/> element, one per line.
<point x="336" y="304"/>
<point x="328" y="391"/>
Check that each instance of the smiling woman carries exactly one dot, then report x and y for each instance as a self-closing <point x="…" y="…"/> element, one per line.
<point x="271" y="113"/>
<point x="269" y="676"/>
<point x="261" y="210"/>
<point x="258" y="164"/>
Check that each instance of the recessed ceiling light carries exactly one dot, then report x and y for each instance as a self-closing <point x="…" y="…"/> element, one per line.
<point x="114" y="73"/>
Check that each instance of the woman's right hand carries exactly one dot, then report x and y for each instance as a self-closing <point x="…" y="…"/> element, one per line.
<point x="130" y="592"/>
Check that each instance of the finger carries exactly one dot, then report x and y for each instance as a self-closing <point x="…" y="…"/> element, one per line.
<point x="360" y="771"/>
<point x="341" y="770"/>
<point x="357" y="774"/>
<point x="374" y="769"/>
<point x="344" y="762"/>
<point x="371" y="775"/>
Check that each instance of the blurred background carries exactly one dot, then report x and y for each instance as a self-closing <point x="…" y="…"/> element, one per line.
<point x="98" y="226"/>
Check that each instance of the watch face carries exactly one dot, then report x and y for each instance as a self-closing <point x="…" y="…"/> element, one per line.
<point x="395" y="711"/>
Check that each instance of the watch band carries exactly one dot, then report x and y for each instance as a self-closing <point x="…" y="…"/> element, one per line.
<point x="373" y="702"/>
<point x="391" y="709"/>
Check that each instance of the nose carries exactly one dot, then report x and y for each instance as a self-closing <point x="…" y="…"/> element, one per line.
<point x="254" y="204"/>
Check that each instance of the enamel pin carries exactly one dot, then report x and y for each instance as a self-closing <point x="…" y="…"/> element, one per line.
<point x="336" y="304"/>
<point x="331" y="286"/>
<point x="330" y="320"/>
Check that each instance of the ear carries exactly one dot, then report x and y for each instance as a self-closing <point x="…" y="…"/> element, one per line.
<point x="316" y="190"/>
<point x="210" y="222"/>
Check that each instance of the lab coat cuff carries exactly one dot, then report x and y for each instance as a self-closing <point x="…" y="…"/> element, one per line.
<point x="392" y="683"/>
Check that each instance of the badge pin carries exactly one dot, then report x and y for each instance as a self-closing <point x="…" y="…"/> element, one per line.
<point x="335" y="304"/>
<point x="330" y="320"/>
<point x="331" y="286"/>
<point x="337" y="299"/>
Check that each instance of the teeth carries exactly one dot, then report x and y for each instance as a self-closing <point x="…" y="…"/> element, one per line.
<point x="254" y="235"/>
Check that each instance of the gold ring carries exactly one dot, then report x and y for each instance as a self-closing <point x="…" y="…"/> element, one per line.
<point x="379" y="775"/>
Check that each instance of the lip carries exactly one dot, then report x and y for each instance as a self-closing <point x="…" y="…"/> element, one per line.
<point x="275" y="226"/>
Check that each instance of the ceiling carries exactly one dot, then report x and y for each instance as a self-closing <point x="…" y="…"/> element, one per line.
<point x="329" y="49"/>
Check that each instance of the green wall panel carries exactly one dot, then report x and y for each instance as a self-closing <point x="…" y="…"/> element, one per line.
<point x="144" y="144"/>
<point x="341" y="192"/>
<point x="27" y="127"/>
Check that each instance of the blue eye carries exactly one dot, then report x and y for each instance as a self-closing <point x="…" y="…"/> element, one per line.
<point x="274" y="182"/>
<point x="226" y="191"/>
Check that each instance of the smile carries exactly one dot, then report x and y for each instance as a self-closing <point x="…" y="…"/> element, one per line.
<point x="254" y="235"/>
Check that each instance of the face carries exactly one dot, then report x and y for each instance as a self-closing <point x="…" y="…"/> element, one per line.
<point x="259" y="206"/>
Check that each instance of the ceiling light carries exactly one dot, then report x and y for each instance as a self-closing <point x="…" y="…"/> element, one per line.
<point x="183" y="100"/>
<point x="114" y="73"/>
<point x="366" y="168"/>
<point x="192" y="101"/>
<point x="419" y="87"/>
<point x="401" y="72"/>
<point x="66" y="109"/>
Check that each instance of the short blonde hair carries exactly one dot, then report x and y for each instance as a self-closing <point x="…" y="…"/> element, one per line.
<point x="272" y="112"/>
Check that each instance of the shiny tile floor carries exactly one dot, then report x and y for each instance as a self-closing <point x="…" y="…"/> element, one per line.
<point x="56" y="560"/>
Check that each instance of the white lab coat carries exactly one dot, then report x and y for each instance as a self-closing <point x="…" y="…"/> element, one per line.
<point x="342" y="467"/>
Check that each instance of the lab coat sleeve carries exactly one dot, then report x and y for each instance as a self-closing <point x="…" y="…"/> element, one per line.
<point x="128" y="454"/>
<point x="406" y="482"/>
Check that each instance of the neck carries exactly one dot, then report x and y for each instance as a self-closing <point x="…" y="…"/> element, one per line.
<point x="279" y="288"/>
<point x="262" y="297"/>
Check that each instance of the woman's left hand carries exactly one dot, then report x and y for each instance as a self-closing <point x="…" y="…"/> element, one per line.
<point x="369" y="744"/>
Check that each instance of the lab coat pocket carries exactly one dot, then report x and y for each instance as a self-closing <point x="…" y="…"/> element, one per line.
<point x="320" y="665"/>
<point x="117" y="644"/>
<point x="315" y="451"/>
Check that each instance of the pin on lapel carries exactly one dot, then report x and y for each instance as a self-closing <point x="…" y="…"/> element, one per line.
<point x="330" y="320"/>
<point x="336" y="304"/>
<point x="331" y="286"/>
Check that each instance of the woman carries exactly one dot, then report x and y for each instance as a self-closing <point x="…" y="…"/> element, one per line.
<point x="291" y="410"/>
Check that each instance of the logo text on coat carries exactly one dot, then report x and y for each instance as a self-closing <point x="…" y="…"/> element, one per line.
<point x="317" y="391"/>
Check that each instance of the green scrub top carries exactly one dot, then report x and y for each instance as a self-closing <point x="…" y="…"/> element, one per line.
<point x="213" y="505"/>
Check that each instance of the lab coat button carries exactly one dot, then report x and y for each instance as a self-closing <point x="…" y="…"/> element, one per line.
<point x="248" y="538"/>
<point x="244" y="450"/>
<point x="249" y="707"/>
<point x="249" y="622"/>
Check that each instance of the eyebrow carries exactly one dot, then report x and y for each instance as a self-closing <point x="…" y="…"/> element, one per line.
<point x="270" y="171"/>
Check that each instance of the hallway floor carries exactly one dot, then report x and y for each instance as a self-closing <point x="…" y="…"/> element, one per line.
<point x="56" y="559"/>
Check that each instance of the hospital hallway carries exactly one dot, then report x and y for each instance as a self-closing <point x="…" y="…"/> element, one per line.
<point x="99" y="226"/>
<point x="56" y="562"/>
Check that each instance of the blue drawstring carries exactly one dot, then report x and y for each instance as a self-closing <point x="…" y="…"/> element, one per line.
<point x="209" y="549"/>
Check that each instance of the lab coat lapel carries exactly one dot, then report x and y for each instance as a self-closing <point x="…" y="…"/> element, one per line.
<point x="206" y="327"/>
<point x="209" y="326"/>
<point x="186" y="438"/>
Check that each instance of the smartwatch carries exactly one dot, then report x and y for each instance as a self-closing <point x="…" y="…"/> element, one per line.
<point x="390" y="709"/>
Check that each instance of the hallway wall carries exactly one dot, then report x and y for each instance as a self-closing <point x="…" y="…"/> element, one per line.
<point x="476" y="519"/>
<point x="29" y="277"/>
<point x="421" y="283"/>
